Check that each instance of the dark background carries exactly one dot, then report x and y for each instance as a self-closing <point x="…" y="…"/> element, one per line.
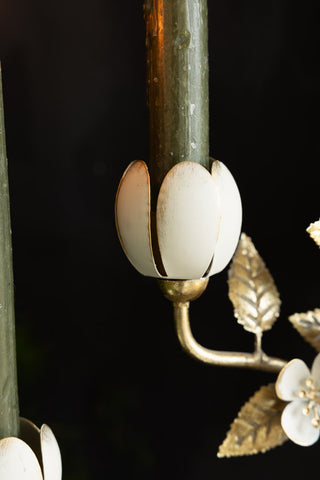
<point x="98" y="358"/>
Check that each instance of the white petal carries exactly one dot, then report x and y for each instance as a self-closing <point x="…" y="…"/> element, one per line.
<point x="315" y="371"/>
<point x="17" y="461"/>
<point x="30" y="434"/>
<point x="188" y="216"/>
<point x="51" y="458"/>
<point x="231" y="216"/>
<point x="132" y="212"/>
<point x="292" y="379"/>
<point x="297" y="426"/>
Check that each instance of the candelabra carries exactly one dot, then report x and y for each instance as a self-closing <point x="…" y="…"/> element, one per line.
<point x="178" y="220"/>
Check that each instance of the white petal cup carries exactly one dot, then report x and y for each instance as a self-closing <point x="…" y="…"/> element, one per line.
<point x="198" y="220"/>
<point x="33" y="456"/>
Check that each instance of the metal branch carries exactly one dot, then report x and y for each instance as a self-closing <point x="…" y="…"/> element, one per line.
<point x="180" y="293"/>
<point x="257" y="360"/>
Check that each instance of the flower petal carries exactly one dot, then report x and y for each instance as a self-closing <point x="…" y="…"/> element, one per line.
<point x="188" y="217"/>
<point x="297" y="426"/>
<point x="231" y="216"/>
<point x="30" y="434"/>
<point x="315" y="371"/>
<point x="17" y="461"/>
<point x="292" y="379"/>
<point x="132" y="212"/>
<point x="51" y="458"/>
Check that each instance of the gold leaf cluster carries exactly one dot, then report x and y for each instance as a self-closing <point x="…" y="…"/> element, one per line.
<point x="308" y="325"/>
<point x="257" y="427"/>
<point x="252" y="289"/>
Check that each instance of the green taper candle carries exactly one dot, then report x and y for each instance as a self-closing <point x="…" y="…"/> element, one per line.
<point x="177" y="77"/>
<point x="9" y="409"/>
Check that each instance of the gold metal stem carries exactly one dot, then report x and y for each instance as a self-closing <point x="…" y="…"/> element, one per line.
<point x="257" y="360"/>
<point x="180" y="293"/>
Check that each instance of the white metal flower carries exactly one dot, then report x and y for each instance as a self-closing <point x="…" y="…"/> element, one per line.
<point x="35" y="455"/>
<point x="301" y="387"/>
<point x="196" y="225"/>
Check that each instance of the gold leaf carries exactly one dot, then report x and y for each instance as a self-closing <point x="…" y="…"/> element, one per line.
<point x="257" y="427"/>
<point x="251" y="289"/>
<point x="314" y="231"/>
<point x="308" y="325"/>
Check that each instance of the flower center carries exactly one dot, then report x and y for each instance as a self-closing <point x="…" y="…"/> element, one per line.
<point x="312" y="395"/>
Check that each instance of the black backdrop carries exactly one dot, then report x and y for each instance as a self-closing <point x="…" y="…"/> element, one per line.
<point x="97" y="355"/>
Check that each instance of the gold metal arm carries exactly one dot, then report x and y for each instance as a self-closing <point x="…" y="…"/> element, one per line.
<point x="180" y="293"/>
